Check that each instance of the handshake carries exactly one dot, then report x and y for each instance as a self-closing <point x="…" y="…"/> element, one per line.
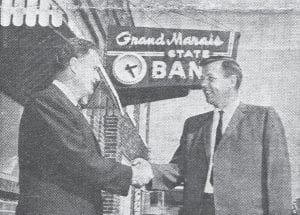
<point x="142" y="172"/>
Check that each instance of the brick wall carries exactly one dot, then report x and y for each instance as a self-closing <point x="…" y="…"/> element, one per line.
<point x="119" y="139"/>
<point x="111" y="136"/>
<point x="110" y="201"/>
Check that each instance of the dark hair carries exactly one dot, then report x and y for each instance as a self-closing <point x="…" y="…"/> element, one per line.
<point x="229" y="66"/>
<point x="74" y="47"/>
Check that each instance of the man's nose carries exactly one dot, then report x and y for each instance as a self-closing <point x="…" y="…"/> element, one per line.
<point x="96" y="74"/>
<point x="204" y="82"/>
<point x="97" y="78"/>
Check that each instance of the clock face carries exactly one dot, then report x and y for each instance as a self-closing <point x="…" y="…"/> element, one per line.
<point x="129" y="68"/>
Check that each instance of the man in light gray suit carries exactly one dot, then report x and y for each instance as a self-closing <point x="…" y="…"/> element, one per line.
<point x="232" y="160"/>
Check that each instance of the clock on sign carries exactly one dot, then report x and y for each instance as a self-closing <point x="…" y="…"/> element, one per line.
<point x="129" y="68"/>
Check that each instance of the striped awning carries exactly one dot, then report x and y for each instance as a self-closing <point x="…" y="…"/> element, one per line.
<point x="30" y="13"/>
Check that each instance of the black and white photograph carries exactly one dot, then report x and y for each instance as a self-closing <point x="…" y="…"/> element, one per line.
<point x="131" y="107"/>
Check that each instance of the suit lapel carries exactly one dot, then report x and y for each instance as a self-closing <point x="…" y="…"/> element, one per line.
<point x="203" y="134"/>
<point x="204" y="131"/>
<point x="68" y="104"/>
<point x="206" y="137"/>
<point x="61" y="97"/>
<point x="238" y="115"/>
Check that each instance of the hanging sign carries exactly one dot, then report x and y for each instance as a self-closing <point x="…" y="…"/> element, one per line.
<point x="139" y="57"/>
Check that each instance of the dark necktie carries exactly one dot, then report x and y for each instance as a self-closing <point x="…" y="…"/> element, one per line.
<point x="218" y="138"/>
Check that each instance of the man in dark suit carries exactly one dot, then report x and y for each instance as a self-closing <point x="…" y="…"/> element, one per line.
<point x="233" y="160"/>
<point x="62" y="170"/>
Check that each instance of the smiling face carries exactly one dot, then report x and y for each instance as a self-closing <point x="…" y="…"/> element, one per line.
<point x="86" y="75"/>
<point x="217" y="88"/>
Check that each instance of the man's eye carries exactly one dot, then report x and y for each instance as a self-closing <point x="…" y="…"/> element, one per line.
<point x="208" y="78"/>
<point x="211" y="78"/>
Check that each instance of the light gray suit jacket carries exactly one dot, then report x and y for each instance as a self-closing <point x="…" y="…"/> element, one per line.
<point x="251" y="164"/>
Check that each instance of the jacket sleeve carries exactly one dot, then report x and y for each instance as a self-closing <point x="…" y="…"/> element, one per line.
<point x="277" y="167"/>
<point x="167" y="176"/>
<point x="67" y="143"/>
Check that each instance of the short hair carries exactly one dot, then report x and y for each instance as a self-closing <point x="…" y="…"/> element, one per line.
<point x="74" y="47"/>
<point x="229" y="66"/>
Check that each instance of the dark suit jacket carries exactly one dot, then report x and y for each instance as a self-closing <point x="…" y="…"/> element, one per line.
<point x="251" y="164"/>
<point x="62" y="170"/>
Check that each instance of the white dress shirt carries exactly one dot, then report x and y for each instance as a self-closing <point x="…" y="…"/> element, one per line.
<point x="66" y="91"/>
<point x="227" y="115"/>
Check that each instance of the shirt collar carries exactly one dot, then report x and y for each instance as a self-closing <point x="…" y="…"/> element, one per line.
<point x="66" y="91"/>
<point x="230" y="108"/>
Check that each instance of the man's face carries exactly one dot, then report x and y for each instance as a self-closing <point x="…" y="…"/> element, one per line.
<point x="87" y="77"/>
<point x="216" y="87"/>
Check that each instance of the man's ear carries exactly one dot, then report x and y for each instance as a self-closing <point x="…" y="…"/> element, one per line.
<point x="233" y="80"/>
<point x="74" y="64"/>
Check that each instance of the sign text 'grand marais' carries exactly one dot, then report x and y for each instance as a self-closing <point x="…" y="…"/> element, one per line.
<point x="140" y="57"/>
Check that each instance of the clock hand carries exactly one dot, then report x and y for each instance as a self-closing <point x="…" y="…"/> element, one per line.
<point x="130" y="69"/>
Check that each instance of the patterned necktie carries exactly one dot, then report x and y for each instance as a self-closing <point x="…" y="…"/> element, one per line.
<point x="218" y="138"/>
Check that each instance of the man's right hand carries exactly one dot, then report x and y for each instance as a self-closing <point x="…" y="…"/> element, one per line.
<point x="142" y="172"/>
